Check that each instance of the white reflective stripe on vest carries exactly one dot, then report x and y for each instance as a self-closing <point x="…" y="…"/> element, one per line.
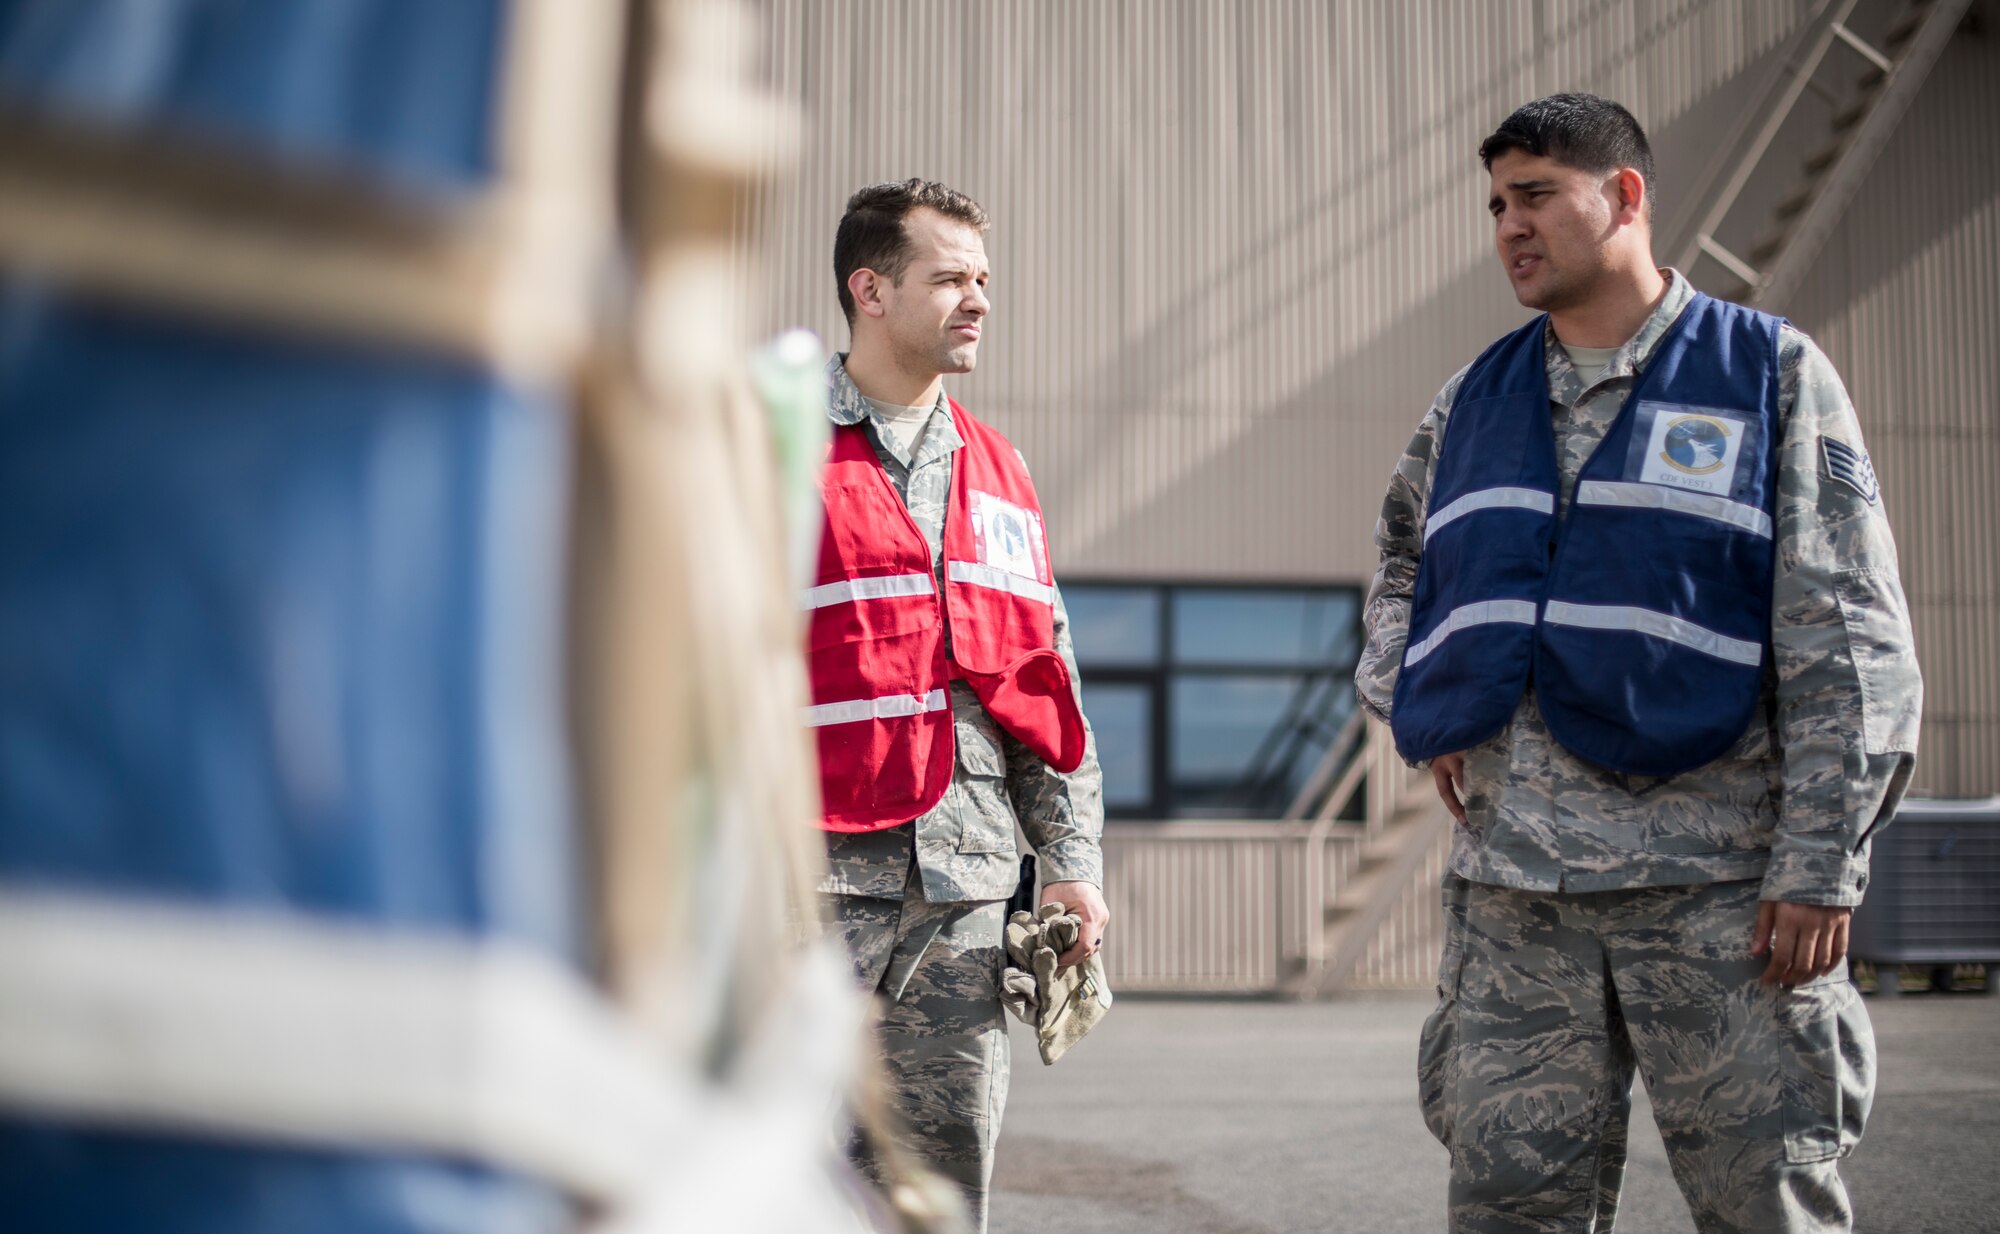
<point x="1486" y="612"/>
<point x="1490" y="499"/>
<point x="887" y="707"/>
<point x="259" y="1025"/>
<point x="1660" y="497"/>
<point x="999" y="580"/>
<point x="1656" y="625"/>
<point x="879" y="587"/>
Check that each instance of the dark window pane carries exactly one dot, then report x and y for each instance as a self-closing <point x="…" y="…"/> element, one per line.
<point x="1114" y="626"/>
<point x="1254" y="626"/>
<point x="1244" y="746"/>
<point x="1121" y="716"/>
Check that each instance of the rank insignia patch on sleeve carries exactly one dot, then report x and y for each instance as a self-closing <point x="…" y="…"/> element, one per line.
<point x="1852" y="468"/>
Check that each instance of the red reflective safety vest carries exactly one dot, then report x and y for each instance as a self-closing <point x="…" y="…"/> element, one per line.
<point x="881" y="709"/>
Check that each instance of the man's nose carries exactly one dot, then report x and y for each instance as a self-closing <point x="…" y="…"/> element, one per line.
<point x="1513" y="225"/>
<point x="975" y="301"/>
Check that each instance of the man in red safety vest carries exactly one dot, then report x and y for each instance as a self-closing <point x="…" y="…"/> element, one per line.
<point x="944" y="697"/>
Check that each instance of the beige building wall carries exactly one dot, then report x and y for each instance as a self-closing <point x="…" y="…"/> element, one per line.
<point x="1238" y="246"/>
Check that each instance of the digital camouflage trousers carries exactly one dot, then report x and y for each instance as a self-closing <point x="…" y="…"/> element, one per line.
<point x="943" y="1033"/>
<point x="1547" y="1003"/>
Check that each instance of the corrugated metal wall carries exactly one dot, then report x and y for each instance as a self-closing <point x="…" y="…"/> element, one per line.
<point x="1238" y="245"/>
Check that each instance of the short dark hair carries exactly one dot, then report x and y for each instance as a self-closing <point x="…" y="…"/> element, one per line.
<point x="871" y="235"/>
<point x="1577" y="130"/>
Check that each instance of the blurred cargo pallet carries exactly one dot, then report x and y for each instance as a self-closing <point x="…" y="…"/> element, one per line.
<point x="1896" y="980"/>
<point x="1932" y="912"/>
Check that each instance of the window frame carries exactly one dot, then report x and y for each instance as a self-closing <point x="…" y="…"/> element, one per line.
<point x="1157" y="677"/>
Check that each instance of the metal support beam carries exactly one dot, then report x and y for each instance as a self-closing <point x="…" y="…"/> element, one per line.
<point x="1844" y="179"/>
<point x="1747" y="165"/>
<point x="1713" y="170"/>
<point x="1735" y="265"/>
<point x="1862" y="48"/>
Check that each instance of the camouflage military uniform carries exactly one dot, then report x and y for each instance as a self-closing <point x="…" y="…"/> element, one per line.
<point x="1599" y="919"/>
<point x="922" y="907"/>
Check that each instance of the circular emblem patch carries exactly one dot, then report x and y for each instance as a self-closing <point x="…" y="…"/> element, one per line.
<point x="1011" y="537"/>
<point x="1696" y="444"/>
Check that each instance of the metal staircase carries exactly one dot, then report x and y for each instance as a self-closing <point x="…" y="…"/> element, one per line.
<point x="1775" y="210"/>
<point x="1360" y="874"/>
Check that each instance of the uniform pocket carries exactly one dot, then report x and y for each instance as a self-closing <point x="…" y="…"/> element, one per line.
<point x="1437" y="1050"/>
<point x="986" y="821"/>
<point x="987" y="824"/>
<point x="979" y="751"/>
<point x="1451" y="959"/>
<point x="1828" y="1068"/>
<point x="1877" y="617"/>
<point x="1437" y="1044"/>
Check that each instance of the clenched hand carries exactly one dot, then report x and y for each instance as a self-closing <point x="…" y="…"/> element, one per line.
<point x="1804" y="940"/>
<point x="1087" y="902"/>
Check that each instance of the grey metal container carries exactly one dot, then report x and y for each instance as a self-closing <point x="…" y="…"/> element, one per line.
<point x="1934" y="891"/>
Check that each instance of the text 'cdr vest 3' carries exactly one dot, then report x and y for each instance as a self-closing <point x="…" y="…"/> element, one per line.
<point x="1644" y="618"/>
<point x="876" y="649"/>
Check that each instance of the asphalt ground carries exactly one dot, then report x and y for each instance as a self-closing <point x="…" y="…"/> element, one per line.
<point x="1186" y="1117"/>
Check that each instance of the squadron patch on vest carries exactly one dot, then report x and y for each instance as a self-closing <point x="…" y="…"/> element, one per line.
<point x="1690" y="448"/>
<point x="1851" y="467"/>
<point x="1008" y="537"/>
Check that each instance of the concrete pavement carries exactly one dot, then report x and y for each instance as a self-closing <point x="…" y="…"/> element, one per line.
<point x="1184" y="1117"/>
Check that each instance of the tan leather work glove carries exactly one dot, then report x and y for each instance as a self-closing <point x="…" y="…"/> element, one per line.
<point x="1017" y="982"/>
<point x="1067" y="1001"/>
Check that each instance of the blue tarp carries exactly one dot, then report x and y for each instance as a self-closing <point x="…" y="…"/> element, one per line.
<point x="401" y="90"/>
<point x="56" y="1180"/>
<point x="279" y="619"/>
<point x="279" y="626"/>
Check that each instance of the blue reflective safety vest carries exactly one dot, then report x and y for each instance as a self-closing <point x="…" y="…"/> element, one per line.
<point x="1644" y="619"/>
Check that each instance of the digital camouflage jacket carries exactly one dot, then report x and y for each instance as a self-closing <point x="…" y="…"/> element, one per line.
<point x="1832" y="747"/>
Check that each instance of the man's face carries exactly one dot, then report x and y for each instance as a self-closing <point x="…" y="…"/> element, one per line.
<point x="933" y="315"/>
<point x="1553" y="227"/>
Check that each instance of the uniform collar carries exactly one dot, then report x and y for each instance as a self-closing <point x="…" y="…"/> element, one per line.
<point x="843" y="401"/>
<point x="844" y="405"/>
<point x="1564" y="383"/>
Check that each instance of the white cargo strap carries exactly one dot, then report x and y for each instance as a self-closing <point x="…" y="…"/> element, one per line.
<point x="1654" y="625"/>
<point x="1485" y="612"/>
<point x="1660" y="497"/>
<point x="1504" y="498"/>
<point x="256" y="1024"/>
<point x="889" y="706"/>
<point x="880" y="587"/>
<point x="760" y="1165"/>
<point x="977" y="575"/>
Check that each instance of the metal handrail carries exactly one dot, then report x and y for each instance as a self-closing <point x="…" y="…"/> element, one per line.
<point x="1337" y="755"/>
<point x="1312" y="921"/>
<point x="1380" y="770"/>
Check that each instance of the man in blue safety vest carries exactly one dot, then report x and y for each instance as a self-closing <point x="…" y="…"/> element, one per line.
<point x="1638" y="608"/>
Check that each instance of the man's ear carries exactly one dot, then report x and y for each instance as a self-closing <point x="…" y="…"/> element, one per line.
<point x="1632" y="191"/>
<point x="866" y="287"/>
